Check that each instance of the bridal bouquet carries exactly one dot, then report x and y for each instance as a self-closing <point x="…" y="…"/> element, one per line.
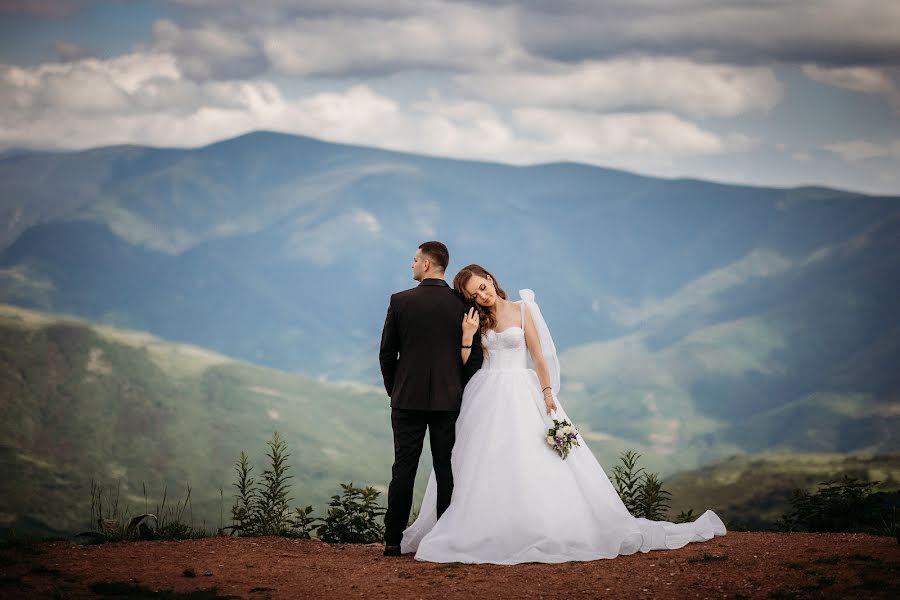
<point x="562" y="437"/>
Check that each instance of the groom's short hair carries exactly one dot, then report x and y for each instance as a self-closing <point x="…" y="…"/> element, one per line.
<point x="437" y="253"/>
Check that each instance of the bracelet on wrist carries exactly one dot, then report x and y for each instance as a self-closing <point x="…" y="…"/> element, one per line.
<point x="469" y="346"/>
<point x="546" y="388"/>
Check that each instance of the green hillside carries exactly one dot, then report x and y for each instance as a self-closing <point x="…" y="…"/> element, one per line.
<point x="755" y="490"/>
<point x="813" y="371"/>
<point x="82" y="402"/>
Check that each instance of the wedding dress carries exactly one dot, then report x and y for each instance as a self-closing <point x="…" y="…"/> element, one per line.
<point x="514" y="499"/>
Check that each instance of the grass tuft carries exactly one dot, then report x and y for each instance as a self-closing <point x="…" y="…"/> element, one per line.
<point x="707" y="557"/>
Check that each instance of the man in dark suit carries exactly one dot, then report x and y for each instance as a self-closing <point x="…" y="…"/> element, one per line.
<point x="424" y="375"/>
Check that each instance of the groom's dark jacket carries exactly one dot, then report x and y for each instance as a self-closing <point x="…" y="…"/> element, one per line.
<point x="420" y="348"/>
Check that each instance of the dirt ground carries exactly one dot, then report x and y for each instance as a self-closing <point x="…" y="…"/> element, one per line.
<point x="738" y="565"/>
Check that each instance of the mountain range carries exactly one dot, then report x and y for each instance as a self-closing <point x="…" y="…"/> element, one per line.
<point x="695" y="320"/>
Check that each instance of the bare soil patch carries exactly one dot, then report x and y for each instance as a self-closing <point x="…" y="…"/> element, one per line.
<point x="738" y="565"/>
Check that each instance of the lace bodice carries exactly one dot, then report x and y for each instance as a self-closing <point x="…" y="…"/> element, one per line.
<point x="505" y="350"/>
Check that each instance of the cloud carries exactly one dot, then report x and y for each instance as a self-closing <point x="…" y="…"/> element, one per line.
<point x="345" y="37"/>
<point x="869" y="80"/>
<point x="85" y="86"/>
<point x="135" y="98"/>
<point x="210" y="52"/>
<point x="675" y="84"/>
<point x="450" y="39"/>
<point x="48" y="9"/>
<point x="275" y="10"/>
<point x="830" y="32"/>
<point x="148" y="99"/>
<point x="860" y="150"/>
<point x="598" y="137"/>
<point x="67" y="51"/>
<point x="307" y="40"/>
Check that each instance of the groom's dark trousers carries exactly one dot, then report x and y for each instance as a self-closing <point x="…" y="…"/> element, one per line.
<point x="424" y="376"/>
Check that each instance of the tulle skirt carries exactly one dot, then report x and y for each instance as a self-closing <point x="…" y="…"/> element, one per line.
<point x="516" y="501"/>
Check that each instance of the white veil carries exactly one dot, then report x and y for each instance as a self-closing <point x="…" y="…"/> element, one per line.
<point x="547" y="347"/>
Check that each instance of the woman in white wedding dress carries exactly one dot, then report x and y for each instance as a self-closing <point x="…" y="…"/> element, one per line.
<point x="514" y="499"/>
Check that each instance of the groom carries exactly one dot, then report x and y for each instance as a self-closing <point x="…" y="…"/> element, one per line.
<point x="424" y="375"/>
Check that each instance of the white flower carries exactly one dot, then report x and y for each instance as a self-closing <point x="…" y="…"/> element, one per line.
<point x="551" y="441"/>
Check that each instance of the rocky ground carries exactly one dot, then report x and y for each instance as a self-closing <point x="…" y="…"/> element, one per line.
<point x="738" y="565"/>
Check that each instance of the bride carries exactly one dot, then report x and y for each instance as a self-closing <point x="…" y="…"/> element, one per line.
<point x="514" y="499"/>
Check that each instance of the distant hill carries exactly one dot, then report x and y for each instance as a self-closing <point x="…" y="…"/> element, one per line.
<point x="123" y="407"/>
<point x="755" y="490"/>
<point x="695" y="320"/>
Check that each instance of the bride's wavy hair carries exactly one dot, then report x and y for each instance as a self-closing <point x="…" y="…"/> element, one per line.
<point x="487" y="318"/>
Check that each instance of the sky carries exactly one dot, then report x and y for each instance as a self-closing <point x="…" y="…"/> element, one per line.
<point x="764" y="92"/>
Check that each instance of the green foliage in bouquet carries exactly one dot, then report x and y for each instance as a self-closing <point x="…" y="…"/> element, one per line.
<point x="353" y="517"/>
<point x="843" y="506"/>
<point x="640" y="491"/>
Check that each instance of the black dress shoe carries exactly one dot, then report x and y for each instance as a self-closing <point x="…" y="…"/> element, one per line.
<point x="391" y="550"/>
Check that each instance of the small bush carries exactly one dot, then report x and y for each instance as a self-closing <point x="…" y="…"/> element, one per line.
<point x="261" y="507"/>
<point x="846" y="506"/>
<point x="653" y="499"/>
<point x="685" y="516"/>
<point x="303" y="524"/>
<point x="273" y="514"/>
<point x="641" y="492"/>
<point x="243" y="512"/>
<point x="353" y="517"/>
<point x="628" y="480"/>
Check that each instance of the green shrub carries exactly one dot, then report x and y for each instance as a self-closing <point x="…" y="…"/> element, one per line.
<point x="640" y="491"/>
<point x="243" y="511"/>
<point x="303" y="524"/>
<point x="685" y="516"/>
<point x="628" y="480"/>
<point x="653" y="499"/>
<point x="261" y="506"/>
<point x="353" y="517"/>
<point x="846" y="506"/>
<point x="273" y="514"/>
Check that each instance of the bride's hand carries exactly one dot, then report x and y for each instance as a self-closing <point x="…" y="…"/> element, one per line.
<point x="470" y="325"/>
<point x="549" y="401"/>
